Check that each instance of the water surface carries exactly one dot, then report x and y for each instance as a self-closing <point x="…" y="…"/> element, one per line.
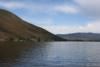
<point x="50" y="54"/>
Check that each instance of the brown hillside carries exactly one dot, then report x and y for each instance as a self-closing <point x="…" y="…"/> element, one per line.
<point x="14" y="28"/>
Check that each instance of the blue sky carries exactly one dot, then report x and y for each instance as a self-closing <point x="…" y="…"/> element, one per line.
<point x="58" y="16"/>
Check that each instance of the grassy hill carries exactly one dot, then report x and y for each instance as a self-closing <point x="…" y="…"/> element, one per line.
<point x="13" y="28"/>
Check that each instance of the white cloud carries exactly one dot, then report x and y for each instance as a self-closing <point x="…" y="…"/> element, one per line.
<point x="13" y="5"/>
<point x="89" y="8"/>
<point x="93" y="26"/>
<point x="31" y="7"/>
<point x="60" y="29"/>
<point x="66" y="9"/>
<point x="40" y="7"/>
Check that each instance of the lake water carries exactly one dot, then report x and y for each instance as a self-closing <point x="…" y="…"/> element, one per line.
<point x="50" y="54"/>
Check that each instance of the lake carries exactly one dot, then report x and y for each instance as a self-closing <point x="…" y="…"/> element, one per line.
<point x="50" y="54"/>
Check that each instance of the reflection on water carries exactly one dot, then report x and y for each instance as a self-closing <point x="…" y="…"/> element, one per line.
<point x="50" y="54"/>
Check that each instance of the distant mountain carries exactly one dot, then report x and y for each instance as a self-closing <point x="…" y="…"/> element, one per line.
<point x="13" y="28"/>
<point x="81" y="36"/>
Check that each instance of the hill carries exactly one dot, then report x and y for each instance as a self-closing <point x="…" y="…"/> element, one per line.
<point x="81" y="36"/>
<point x="13" y="28"/>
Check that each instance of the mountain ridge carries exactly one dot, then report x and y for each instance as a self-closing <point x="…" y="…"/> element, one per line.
<point x="81" y="36"/>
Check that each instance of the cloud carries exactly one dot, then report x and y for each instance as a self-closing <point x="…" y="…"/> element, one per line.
<point x="15" y="5"/>
<point x="66" y="9"/>
<point x="39" y="7"/>
<point x="89" y="8"/>
<point x="60" y="29"/>
<point x="93" y="26"/>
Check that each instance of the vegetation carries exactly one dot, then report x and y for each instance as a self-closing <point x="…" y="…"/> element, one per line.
<point x="12" y="28"/>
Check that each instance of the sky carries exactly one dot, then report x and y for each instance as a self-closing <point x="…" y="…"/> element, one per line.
<point x="58" y="16"/>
